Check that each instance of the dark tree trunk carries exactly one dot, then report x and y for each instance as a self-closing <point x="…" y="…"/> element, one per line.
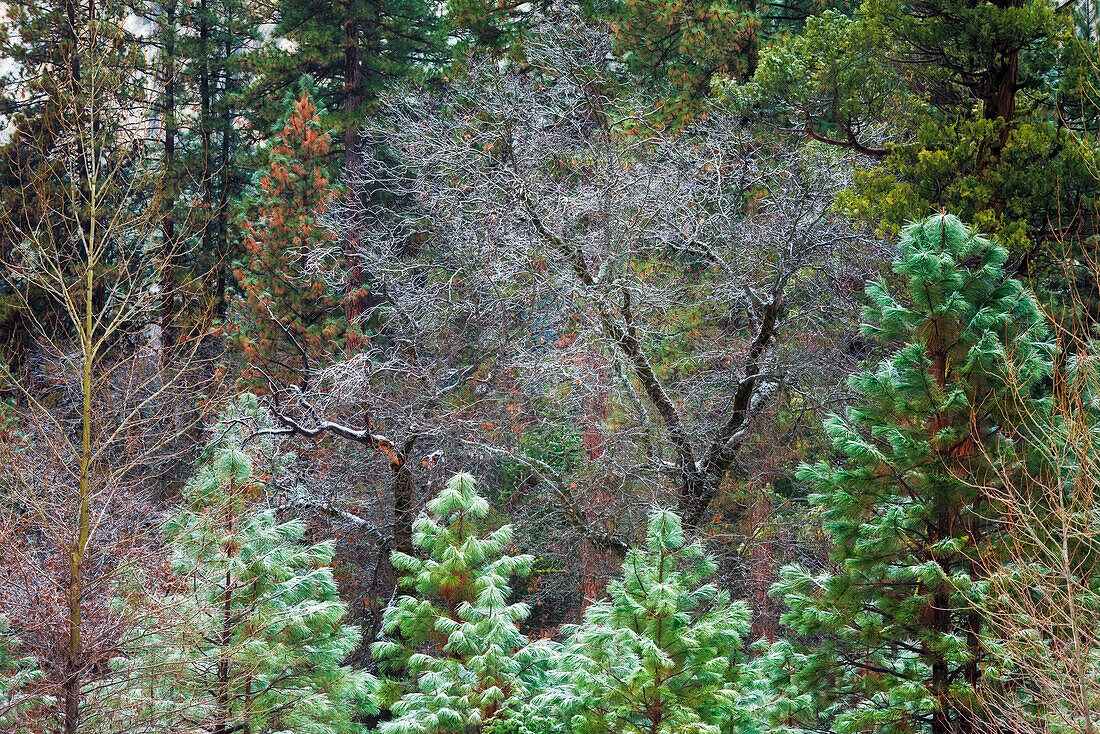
<point x="70" y="694"/>
<point x="211" y="248"/>
<point x="168" y="222"/>
<point x="222" y="711"/>
<point x="940" y="680"/>
<point x="998" y="91"/>
<point x="221" y="702"/>
<point x="765" y="616"/>
<point x="1000" y="100"/>
<point x="404" y="494"/>
<point x="597" y="559"/>
<point x="404" y="505"/>
<point x="353" y="89"/>
<point x="940" y="623"/>
<point x="224" y="163"/>
<point x="355" y="300"/>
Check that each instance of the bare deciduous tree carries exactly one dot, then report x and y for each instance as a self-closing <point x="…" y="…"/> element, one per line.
<point x="544" y="220"/>
<point x="1043" y="591"/>
<point x="102" y="418"/>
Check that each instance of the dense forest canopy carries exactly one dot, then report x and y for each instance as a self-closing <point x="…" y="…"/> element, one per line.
<point x="494" y="367"/>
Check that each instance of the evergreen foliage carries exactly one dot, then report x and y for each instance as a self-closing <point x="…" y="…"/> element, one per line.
<point x="679" y="46"/>
<point x="352" y="49"/>
<point x="214" y="63"/>
<point x="288" y="318"/>
<point x="16" y="674"/>
<point x="962" y="106"/>
<point x="258" y="640"/>
<point x="577" y="267"/>
<point x="464" y="663"/>
<point x="492" y="27"/>
<point x="889" y="637"/>
<point x="661" y="654"/>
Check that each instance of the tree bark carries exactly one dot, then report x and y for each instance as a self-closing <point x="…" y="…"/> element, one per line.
<point x="1000" y="100"/>
<point x="223" y="714"/>
<point x="210" y="248"/>
<point x="74" y="662"/>
<point x="222" y="258"/>
<point x="1000" y="83"/>
<point x="168" y="222"/>
<point x="765" y="616"/>
<point x="353" y="89"/>
<point x="404" y="500"/>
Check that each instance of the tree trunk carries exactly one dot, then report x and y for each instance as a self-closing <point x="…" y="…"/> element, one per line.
<point x="404" y="505"/>
<point x="222" y="713"/>
<point x="354" y="299"/>
<point x="353" y="89"/>
<point x="939" y="682"/>
<point x="74" y="656"/>
<point x="940" y="623"/>
<point x="224" y="184"/>
<point x="596" y="560"/>
<point x="1000" y="100"/>
<point x="209" y="247"/>
<point x="168" y="223"/>
<point x="765" y="616"/>
<point x="1000" y="83"/>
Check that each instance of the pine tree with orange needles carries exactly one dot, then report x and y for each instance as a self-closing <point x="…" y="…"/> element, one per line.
<point x="287" y="317"/>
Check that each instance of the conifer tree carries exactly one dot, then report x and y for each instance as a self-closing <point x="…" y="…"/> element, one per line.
<point x="465" y="664"/>
<point x="680" y="46"/>
<point x="352" y="49"/>
<point x="287" y="317"/>
<point x="214" y="147"/>
<point x="893" y="635"/>
<point x="493" y="28"/>
<point x="16" y="675"/>
<point x="964" y="106"/>
<point x="258" y="636"/>
<point x="661" y="654"/>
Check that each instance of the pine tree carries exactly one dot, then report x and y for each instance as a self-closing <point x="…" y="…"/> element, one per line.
<point x="893" y="635"/>
<point x="258" y="638"/>
<point x="16" y="675"/>
<point x="494" y="28"/>
<point x="352" y="49"/>
<point x="214" y="148"/>
<point x="662" y="653"/>
<point x="465" y="664"/>
<point x="963" y="104"/>
<point x="287" y="318"/>
<point x="680" y="46"/>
